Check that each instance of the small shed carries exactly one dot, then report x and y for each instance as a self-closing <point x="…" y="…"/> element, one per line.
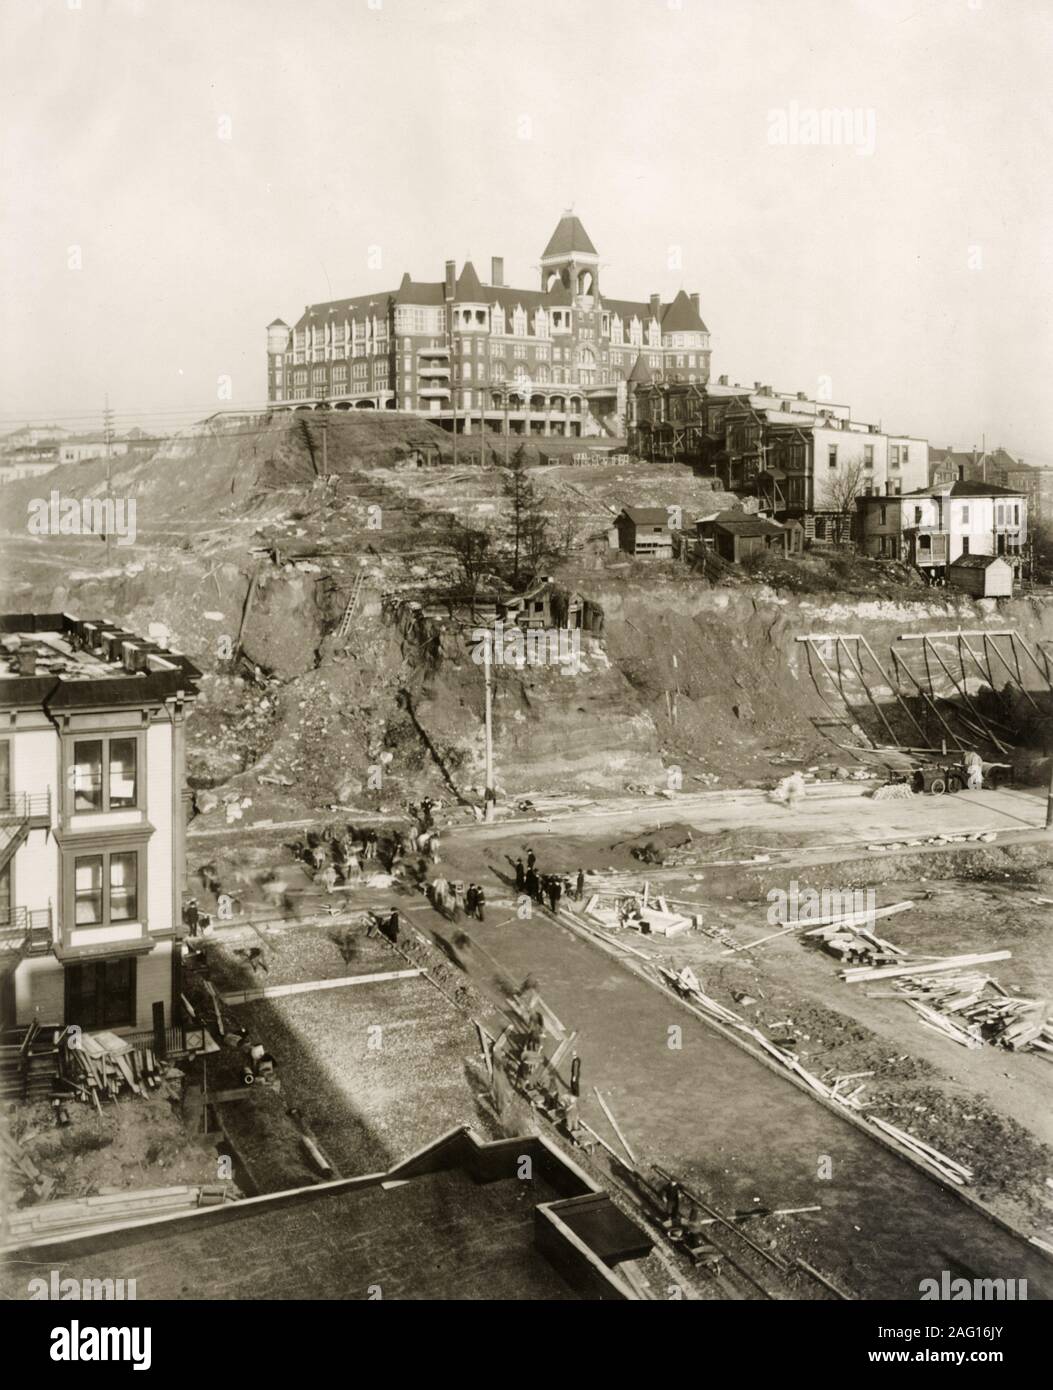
<point x="983" y="576"/>
<point x="644" y="531"/>
<point x="736" y="535"/>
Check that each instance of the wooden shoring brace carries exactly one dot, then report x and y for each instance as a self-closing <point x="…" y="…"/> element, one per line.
<point x="893" y="686"/>
<point x="964" y="693"/>
<point x="987" y="654"/>
<point x="928" y="699"/>
<point x="866" y="690"/>
<point x="833" y="679"/>
<point x="997" y="651"/>
<point x="1045" y="674"/>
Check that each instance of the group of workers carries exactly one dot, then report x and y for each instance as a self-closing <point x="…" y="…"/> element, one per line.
<point x="552" y="887"/>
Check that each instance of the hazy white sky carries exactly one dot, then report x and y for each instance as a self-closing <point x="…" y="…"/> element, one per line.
<point x="917" y="275"/>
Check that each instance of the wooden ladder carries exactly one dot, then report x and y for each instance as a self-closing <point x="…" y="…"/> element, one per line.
<point x="352" y="605"/>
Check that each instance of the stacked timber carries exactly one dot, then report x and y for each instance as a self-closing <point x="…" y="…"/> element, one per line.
<point x="102" y="1065"/>
<point x="953" y="998"/>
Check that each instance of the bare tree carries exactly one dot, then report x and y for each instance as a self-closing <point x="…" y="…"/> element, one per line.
<point x="471" y="547"/>
<point x="840" y="495"/>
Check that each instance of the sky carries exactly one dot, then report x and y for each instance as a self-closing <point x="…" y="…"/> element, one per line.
<point x="179" y="173"/>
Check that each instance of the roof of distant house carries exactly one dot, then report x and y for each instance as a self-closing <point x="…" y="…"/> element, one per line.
<point x="647" y="516"/>
<point x="962" y="488"/>
<point x="739" y="525"/>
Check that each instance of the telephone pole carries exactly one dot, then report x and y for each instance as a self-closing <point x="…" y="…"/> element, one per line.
<point x="489" y="794"/>
<point x="107" y="431"/>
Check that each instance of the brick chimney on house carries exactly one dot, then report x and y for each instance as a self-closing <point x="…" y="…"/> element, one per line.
<point x="497" y="271"/>
<point x="656" y="304"/>
<point x="451" y="278"/>
<point x="696" y="304"/>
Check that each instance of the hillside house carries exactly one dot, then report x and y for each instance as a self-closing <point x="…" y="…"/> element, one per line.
<point x="643" y="532"/>
<point x="932" y="527"/>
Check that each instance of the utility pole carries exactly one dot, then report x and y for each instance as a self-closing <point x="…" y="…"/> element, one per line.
<point x="107" y="430"/>
<point x="489" y="795"/>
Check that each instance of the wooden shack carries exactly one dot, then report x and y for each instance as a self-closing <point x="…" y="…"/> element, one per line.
<point x="983" y="576"/>
<point x="644" y="532"/>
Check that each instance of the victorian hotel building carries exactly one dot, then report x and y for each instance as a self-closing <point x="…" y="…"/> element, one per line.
<point x="558" y="360"/>
<point x="92" y="824"/>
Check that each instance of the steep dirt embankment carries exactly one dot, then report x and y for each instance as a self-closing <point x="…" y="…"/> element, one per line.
<point x="726" y="682"/>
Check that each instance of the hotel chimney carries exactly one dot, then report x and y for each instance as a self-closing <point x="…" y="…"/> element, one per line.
<point x="497" y="271"/>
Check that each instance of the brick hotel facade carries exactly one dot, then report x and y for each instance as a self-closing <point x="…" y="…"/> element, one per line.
<point x="557" y="360"/>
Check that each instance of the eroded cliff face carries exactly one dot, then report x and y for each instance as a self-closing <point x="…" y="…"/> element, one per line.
<point x="246" y="550"/>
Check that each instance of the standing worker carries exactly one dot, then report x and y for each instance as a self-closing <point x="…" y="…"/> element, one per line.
<point x="579" y="887"/>
<point x="575" y="1075"/>
<point x="520" y="876"/>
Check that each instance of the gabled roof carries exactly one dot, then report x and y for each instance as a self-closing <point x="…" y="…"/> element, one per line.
<point x="976" y="562"/>
<point x="682" y="317"/>
<point x="647" y="516"/>
<point x="469" y="286"/>
<point x="569" y="236"/>
<point x="750" y="526"/>
<point x="278" y="323"/>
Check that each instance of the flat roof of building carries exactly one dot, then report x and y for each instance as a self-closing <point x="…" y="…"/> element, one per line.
<point x="60" y="660"/>
<point x="456" y="1221"/>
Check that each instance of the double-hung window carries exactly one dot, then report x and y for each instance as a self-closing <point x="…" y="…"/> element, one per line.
<point x="105" y="888"/>
<point x="105" y="774"/>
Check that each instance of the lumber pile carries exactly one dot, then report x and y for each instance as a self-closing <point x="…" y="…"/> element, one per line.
<point x="955" y="999"/>
<point x="102" y="1065"/>
<point x="72" y="1216"/>
<point x="973" y="1009"/>
<point x="921" y="967"/>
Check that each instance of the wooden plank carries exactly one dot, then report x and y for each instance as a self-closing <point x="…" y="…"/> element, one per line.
<point x="614" y="1125"/>
<point x="248" y="996"/>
